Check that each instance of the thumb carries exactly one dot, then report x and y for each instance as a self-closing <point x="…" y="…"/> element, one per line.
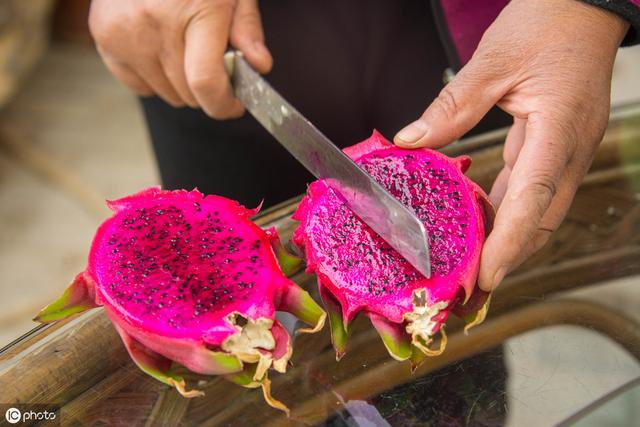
<point x="458" y="108"/>
<point x="247" y="35"/>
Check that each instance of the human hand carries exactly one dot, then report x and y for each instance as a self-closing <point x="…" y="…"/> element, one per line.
<point x="175" y="48"/>
<point x="548" y="63"/>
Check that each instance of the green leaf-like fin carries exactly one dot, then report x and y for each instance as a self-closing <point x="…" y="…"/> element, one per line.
<point x="339" y="330"/>
<point x="395" y="338"/>
<point x="154" y="364"/>
<point x="78" y="297"/>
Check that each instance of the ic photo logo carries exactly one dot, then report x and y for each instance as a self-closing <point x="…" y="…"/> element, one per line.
<point x="28" y="414"/>
<point x="13" y="415"/>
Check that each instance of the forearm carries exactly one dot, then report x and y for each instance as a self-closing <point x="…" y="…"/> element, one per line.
<point x="606" y="25"/>
<point x="629" y="10"/>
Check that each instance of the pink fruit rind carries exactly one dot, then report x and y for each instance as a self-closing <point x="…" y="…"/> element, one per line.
<point x="358" y="272"/>
<point x="188" y="278"/>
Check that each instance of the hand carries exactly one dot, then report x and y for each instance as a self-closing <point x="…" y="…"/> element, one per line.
<point x="548" y="63"/>
<point x="175" y="48"/>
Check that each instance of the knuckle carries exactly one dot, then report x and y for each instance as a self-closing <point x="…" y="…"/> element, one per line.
<point x="542" y="186"/>
<point x="248" y="18"/>
<point x="216" y="101"/>
<point x="536" y="193"/>
<point x="175" y="103"/>
<point x="446" y="103"/>
<point x="540" y="238"/>
<point x="148" y="12"/>
<point x="594" y="124"/>
<point x="563" y="133"/>
<point x="117" y="25"/>
<point x="101" y="30"/>
<point x="220" y="112"/>
<point x="206" y="85"/>
<point x="224" y="6"/>
<point x="202" y="10"/>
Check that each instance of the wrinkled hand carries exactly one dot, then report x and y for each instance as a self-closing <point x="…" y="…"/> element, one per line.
<point x="548" y="63"/>
<point x="174" y="48"/>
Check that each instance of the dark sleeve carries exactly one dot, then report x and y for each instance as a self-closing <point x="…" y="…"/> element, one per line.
<point x="629" y="10"/>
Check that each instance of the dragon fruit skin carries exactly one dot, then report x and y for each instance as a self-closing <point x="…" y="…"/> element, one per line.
<point x="359" y="272"/>
<point x="190" y="279"/>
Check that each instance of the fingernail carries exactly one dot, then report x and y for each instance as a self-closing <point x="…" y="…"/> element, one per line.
<point x="497" y="278"/>
<point x="412" y="133"/>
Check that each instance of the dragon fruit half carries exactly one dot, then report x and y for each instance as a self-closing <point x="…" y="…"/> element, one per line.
<point x="190" y="279"/>
<point x="359" y="272"/>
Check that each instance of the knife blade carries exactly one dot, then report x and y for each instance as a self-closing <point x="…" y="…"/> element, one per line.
<point x="393" y="221"/>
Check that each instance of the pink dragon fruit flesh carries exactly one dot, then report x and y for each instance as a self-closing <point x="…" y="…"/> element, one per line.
<point x="359" y="272"/>
<point x="190" y="279"/>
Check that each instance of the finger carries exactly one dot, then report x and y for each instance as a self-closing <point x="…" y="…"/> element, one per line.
<point x="561" y="203"/>
<point x="172" y="62"/>
<point x="533" y="183"/>
<point x="129" y="77"/>
<point x="205" y="43"/>
<point x="151" y="70"/>
<point x="500" y="185"/>
<point x="512" y="146"/>
<point x="552" y="218"/>
<point x="248" y="37"/>
<point x="458" y="107"/>
<point x="514" y="141"/>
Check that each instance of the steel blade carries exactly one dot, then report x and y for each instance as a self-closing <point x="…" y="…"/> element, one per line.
<point x="394" y="222"/>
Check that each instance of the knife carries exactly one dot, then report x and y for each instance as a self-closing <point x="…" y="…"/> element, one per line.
<point x="393" y="221"/>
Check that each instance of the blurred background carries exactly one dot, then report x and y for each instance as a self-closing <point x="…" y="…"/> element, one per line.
<point x="71" y="136"/>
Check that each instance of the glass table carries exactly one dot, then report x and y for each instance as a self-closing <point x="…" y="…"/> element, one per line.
<point x="562" y="334"/>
